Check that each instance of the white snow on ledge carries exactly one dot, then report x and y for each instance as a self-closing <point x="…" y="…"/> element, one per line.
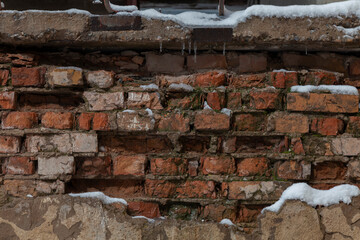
<point x="334" y="89"/>
<point x="315" y="197"/>
<point x="99" y="195"/>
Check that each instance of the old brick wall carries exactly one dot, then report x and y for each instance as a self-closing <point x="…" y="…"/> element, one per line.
<point x="133" y="125"/>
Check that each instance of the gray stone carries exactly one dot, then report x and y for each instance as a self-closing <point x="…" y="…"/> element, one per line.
<point x="49" y="143"/>
<point x="104" y="101"/>
<point x="65" y="77"/>
<point x="53" y="167"/>
<point x="346" y="146"/>
<point x="135" y="121"/>
<point x="84" y="142"/>
<point x="100" y="79"/>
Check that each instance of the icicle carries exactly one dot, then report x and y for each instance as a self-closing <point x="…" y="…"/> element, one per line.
<point x="306" y="51"/>
<point x="224" y="47"/>
<point x="189" y="46"/>
<point x="183" y="48"/>
<point x="195" y="49"/>
<point x="161" y="46"/>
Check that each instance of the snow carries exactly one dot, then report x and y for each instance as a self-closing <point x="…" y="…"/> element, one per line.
<point x="282" y="70"/>
<point x="69" y="11"/>
<point x="206" y="106"/>
<point x="334" y="89"/>
<point x="2" y="5"/>
<point x="151" y="86"/>
<point x="143" y="217"/>
<point x="226" y="111"/>
<point x="149" y="112"/>
<point x="226" y="221"/>
<point x="129" y="111"/>
<point x="348" y="31"/>
<point x="128" y="8"/>
<point x="314" y="197"/>
<point x="99" y="195"/>
<point x="96" y="2"/>
<point x="180" y="87"/>
<point x="29" y="196"/>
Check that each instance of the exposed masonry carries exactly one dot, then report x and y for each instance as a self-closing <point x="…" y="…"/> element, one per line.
<point x="133" y="125"/>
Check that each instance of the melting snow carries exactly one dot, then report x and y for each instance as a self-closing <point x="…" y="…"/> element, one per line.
<point x="348" y="31"/>
<point x="226" y="111"/>
<point x="314" y="197"/>
<point x="151" y="86"/>
<point x="206" y="106"/>
<point x="149" y="219"/>
<point x="226" y="221"/>
<point x="180" y="87"/>
<point x="334" y="89"/>
<point x="99" y="195"/>
<point x="29" y="196"/>
<point x="282" y="70"/>
<point x="128" y="8"/>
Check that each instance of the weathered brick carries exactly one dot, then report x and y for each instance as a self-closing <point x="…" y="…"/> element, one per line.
<point x="329" y="170"/>
<point x="53" y="167"/>
<point x="9" y="144"/>
<point x="346" y="146"/>
<point x="249" y="213"/>
<point x="211" y="121"/>
<point x="193" y="168"/>
<point x="321" y="102"/>
<point x="322" y="77"/>
<point x="284" y="79"/>
<point x="19" y="120"/>
<point x="196" y="189"/>
<point x="353" y="169"/>
<point x="7" y="100"/>
<point x="353" y="125"/>
<point x="217" y="165"/>
<point x="168" y="166"/>
<point x="174" y="122"/>
<point x="20" y="188"/>
<point x="104" y="122"/>
<point x="93" y="166"/>
<point x="144" y="100"/>
<point x="292" y="123"/>
<point x="22" y="58"/>
<point x="217" y="212"/>
<point x="252" y="63"/>
<point x="327" y="126"/>
<point x="228" y="145"/>
<point x="188" y="102"/>
<point x="265" y="99"/>
<point x="146" y="209"/>
<point x="234" y="100"/>
<point x="294" y="170"/>
<point x="28" y="77"/>
<point x="354" y="66"/>
<point x="65" y="77"/>
<point x="297" y="146"/>
<point x="104" y="101"/>
<point x="247" y="81"/>
<point x="135" y="121"/>
<point x="167" y="80"/>
<point x="4" y="77"/>
<point x="58" y="120"/>
<point x="48" y="143"/>
<point x="210" y="79"/>
<point x="166" y="63"/>
<point x="250" y="122"/>
<point x="129" y="165"/>
<point x="19" y="166"/>
<point x="216" y="100"/>
<point x="100" y="79"/>
<point x="84" y="121"/>
<point x="159" y="188"/>
<point x="206" y="61"/>
<point x="194" y="143"/>
<point x="84" y="142"/>
<point x="252" y="166"/>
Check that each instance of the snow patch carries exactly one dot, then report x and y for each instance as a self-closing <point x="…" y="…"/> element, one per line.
<point x="100" y="196"/>
<point x="350" y="32"/>
<point x="129" y="111"/>
<point x="226" y="111"/>
<point x="150" y="87"/>
<point x="143" y="217"/>
<point x="180" y="87"/>
<point x="149" y="112"/>
<point x="315" y="197"/>
<point x="2" y="5"/>
<point x="206" y="106"/>
<point x="282" y="70"/>
<point x="226" y="221"/>
<point x="96" y="2"/>
<point x="29" y="196"/>
<point x="334" y="89"/>
<point x="128" y="8"/>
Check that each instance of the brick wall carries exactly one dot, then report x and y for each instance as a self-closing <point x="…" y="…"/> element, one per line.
<point x="101" y="126"/>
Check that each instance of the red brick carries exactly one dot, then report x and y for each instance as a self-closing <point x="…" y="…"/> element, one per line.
<point x="322" y="102"/>
<point x="217" y="212"/>
<point x="101" y="121"/>
<point x="297" y="146"/>
<point x="247" y="81"/>
<point x="248" y="213"/>
<point x="252" y="63"/>
<point x="207" y="61"/>
<point x="196" y="189"/>
<point x="211" y="121"/>
<point x="164" y="63"/>
<point x="147" y="209"/>
<point x="28" y="77"/>
<point x="93" y="166"/>
<point x="174" y="122"/>
<point x="84" y="121"/>
<point x="354" y="67"/>
<point x="234" y="100"/>
<point x="252" y="166"/>
<point x="284" y="79"/>
<point x="265" y="99"/>
<point x="9" y="144"/>
<point x="210" y="79"/>
<point x="4" y="77"/>
<point x="228" y="145"/>
<point x="129" y="165"/>
<point x="7" y="100"/>
<point x="322" y="77"/>
<point x="329" y="171"/>
<point x="159" y="188"/>
<point x="353" y="125"/>
<point x="216" y="100"/>
<point x="169" y="166"/>
<point x="294" y="170"/>
<point x="22" y="58"/>
<point x="20" y="166"/>
<point x="19" y="120"/>
<point x="57" y="120"/>
<point x="292" y="123"/>
<point x="327" y="126"/>
<point x="217" y="165"/>
<point x="193" y="168"/>
<point x="188" y="102"/>
<point x="194" y="143"/>
<point x="250" y="122"/>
